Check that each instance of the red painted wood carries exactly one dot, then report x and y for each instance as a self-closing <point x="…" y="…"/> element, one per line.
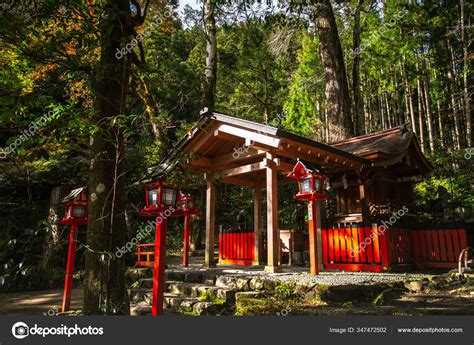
<point x="342" y="236"/>
<point x="369" y="249"/>
<point x="355" y="267"/>
<point x="456" y="243"/>
<point x="442" y="241"/>
<point x="449" y="245"/>
<point x="324" y="240"/>
<point x="355" y="244"/>
<point x="416" y="247"/>
<point x="337" y="246"/>
<point x="159" y="268"/>
<point x="429" y="246"/>
<point x="462" y="238"/>
<point x="436" y="250"/>
<point x="71" y="258"/>
<point x="376" y="244"/>
<point x="384" y="249"/>
<point x="221" y="248"/>
<point x="349" y="257"/>
<point x="312" y="232"/>
<point x="363" y="256"/>
<point x="331" y="244"/>
<point x="187" y="229"/>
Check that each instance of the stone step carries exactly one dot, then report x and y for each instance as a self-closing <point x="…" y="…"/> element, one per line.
<point x="200" y="290"/>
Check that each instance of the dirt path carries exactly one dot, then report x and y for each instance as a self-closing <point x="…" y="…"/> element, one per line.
<point x="46" y="302"/>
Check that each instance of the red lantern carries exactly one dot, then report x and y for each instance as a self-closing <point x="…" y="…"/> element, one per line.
<point x="160" y="198"/>
<point x="311" y="182"/>
<point x="311" y="187"/>
<point x="75" y="214"/>
<point x="75" y="207"/>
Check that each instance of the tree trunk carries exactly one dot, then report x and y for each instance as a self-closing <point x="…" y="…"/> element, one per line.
<point x="356" y="89"/>
<point x="153" y="111"/>
<point x="453" y="91"/>
<point x="337" y="89"/>
<point x="210" y="73"/>
<point x="429" y="115"/>
<point x="105" y="289"/>
<point x="408" y="97"/>
<point x="467" y="99"/>
<point x="420" y="108"/>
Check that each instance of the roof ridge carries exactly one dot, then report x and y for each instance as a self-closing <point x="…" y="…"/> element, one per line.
<point x="368" y="136"/>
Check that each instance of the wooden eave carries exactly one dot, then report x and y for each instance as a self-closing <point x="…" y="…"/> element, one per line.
<point x="214" y="141"/>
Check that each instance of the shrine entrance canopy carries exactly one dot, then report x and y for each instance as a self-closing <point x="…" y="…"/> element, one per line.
<point x="249" y="154"/>
<point x="238" y="151"/>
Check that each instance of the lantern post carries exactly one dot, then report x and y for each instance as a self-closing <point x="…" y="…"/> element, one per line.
<point x="160" y="204"/>
<point x="186" y="207"/>
<point x="311" y="187"/>
<point x="75" y="214"/>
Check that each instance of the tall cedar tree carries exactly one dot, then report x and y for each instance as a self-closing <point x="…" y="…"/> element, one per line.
<point x="337" y="88"/>
<point x="105" y="289"/>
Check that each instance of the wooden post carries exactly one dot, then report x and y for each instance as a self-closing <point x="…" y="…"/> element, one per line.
<point x="257" y="224"/>
<point x="273" y="238"/>
<point x="313" y="234"/>
<point x="319" y="241"/>
<point x="71" y="258"/>
<point x="187" y="228"/>
<point x="210" y="222"/>
<point x="363" y="204"/>
<point x="159" y="267"/>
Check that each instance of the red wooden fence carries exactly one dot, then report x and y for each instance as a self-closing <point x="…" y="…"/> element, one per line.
<point x="364" y="248"/>
<point x="236" y="247"/>
<point x="145" y="257"/>
<point x="437" y="248"/>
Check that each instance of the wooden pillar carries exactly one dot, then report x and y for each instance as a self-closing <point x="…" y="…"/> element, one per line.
<point x="319" y="241"/>
<point x="210" y="222"/>
<point x="312" y="230"/>
<point x="273" y="238"/>
<point x="159" y="264"/>
<point x="187" y="230"/>
<point x="363" y="203"/>
<point x="257" y="225"/>
<point x="71" y="258"/>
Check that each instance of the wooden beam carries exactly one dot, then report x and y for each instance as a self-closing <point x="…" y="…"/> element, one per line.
<point x="249" y="135"/>
<point x="210" y="221"/>
<point x="244" y="169"/>
<point x="273" y="238"/>
<point x="257" y="221"/>
<point x="201" y="139"/>
<point x="236" y="156"/>
<point x="238" y="182"/>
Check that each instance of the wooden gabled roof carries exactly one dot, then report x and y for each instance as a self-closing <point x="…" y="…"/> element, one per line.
<point x="213" y="141"/>
<point x="387" y="147"/>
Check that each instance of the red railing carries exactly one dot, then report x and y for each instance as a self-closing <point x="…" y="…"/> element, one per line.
<point x="363" y="248"/>
<point x="438" y="248"/>
<point x="236" y="247"/>
<point x="145" y="258"/>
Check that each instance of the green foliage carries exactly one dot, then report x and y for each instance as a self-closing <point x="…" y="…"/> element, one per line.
<point x="285" y="290"/>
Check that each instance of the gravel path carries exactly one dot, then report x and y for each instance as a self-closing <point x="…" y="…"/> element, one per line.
<point x="297" y="274"/>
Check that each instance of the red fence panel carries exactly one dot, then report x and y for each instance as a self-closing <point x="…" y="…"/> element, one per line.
<point x="236" y="247"/>
<point x="438" y="248"/>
